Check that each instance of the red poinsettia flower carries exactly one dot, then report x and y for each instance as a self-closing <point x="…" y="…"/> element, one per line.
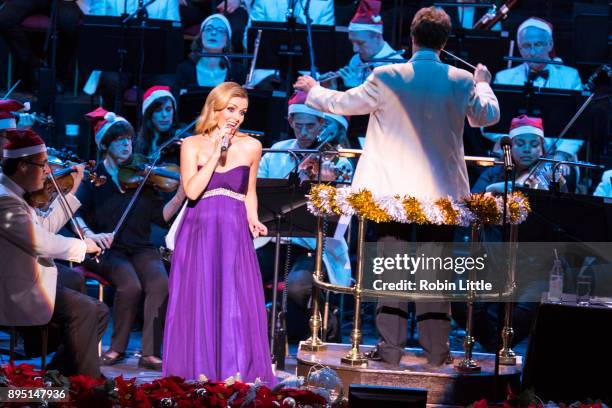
<point x="129" y="395"/>
<point x="23" y="375"/>
<point x="304" y="397"/>
<point x="481" y="404"/>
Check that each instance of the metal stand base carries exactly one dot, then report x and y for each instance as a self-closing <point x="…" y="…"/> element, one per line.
<point x="468" y="366"/>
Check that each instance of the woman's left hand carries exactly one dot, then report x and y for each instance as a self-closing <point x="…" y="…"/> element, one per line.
<point x="257" y="228"/>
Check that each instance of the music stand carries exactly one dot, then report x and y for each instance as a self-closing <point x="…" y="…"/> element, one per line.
<point x="276" y="52"/>
<point x="546" y="103"/>
<point x="282" y="208"/>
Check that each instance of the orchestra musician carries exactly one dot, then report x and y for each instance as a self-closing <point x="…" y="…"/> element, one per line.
<point x="159" y="123"/>
<point x="130" y="261"/>
<point x="527" y="134"/>
<point x="366" y="35"/>
<point x="215" y="37"/>
<point x="535" y="41"/>
<point x="32" y="293"/>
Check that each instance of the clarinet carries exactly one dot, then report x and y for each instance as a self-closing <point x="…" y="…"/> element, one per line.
<point x="249" y="81"/>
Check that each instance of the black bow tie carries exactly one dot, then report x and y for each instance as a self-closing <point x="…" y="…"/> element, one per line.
<point x="533" y="75"/>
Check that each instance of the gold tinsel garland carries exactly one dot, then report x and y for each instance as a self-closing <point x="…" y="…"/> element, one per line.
<point x="484" y="209"/>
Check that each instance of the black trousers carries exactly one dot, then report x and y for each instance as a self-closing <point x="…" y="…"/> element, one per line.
<point x="433" y="318"/>
<point x="15" y="11"/>
<point x="133" y="273"/>
<point x="76" y="327"/>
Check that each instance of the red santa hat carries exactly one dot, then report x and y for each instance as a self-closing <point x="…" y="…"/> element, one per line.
<point x="343" y="120"/>
<point x="22" y="143"/>
<point x="7" y="117"/>
<point x="102" y="120"/>
<point x="524" y="124"/>
<point x="297" y="104"/>
<point x="367" y="17"/>
<point x="154" y="93"/>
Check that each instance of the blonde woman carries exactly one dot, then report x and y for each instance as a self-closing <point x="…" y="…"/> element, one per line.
<point x="216" y="320"/>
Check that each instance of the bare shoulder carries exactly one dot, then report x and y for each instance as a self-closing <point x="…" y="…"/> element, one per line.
<point x="191" y="142"/>
<point x="249" y="142"/>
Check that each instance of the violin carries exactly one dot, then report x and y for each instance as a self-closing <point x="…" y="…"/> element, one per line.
<point x="164" y="177"/>
<point x="61" y="171"/>
<point x="309" y="167"/>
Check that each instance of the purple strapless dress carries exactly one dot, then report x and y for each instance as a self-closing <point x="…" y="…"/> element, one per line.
<point x="216" y="318"/>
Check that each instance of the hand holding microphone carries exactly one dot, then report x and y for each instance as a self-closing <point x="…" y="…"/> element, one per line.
<point x="227" y="134"/>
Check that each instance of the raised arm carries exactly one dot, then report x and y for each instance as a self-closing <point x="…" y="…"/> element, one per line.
<point x="483" y="108"/>
<point x="195" y="180"/>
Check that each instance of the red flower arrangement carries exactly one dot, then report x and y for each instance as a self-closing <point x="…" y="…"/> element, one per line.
<point x="89" y="392"/>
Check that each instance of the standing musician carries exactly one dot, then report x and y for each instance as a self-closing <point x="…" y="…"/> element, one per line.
<point x="366" y="35"/>
<point x="130" y="262"/>
<point x="31" y="293"/>
<point x="414" y="146"/>
<point x="159" y="123"/>
<point x="308" y="124"/>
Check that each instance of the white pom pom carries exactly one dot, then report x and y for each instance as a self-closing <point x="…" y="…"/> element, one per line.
<point x="26" y="106"/>
<point x="376" y="19"/>
<point x="110" y="116"/>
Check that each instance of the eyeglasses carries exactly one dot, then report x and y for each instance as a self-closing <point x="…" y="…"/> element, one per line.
<point x="41" y="165"/>
<point x="216" y="30"/>
<point x="307" y="126"/>
<point x="536" y="46"/>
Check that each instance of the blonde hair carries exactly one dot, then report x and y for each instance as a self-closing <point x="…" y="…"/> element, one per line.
<point x="217" y="100"/>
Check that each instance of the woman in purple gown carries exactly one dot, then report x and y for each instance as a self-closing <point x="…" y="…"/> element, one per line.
<point x="216" y="318"/>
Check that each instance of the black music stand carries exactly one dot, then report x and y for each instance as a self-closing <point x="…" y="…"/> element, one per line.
<point x="546" y="103"/>
<point x="282" y="208"/>
<point x="486" y="47"/>
<point x="276" y="52"/>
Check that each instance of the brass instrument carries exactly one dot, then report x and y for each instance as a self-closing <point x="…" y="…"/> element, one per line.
<point x="249" y="80"/>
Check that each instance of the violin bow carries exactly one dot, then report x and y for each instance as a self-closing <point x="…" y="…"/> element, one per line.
<point x="147" y="174"/>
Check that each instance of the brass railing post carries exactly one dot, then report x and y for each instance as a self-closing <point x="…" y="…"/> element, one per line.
<point x="314" y="343"/>
<point x="355" y="357"/>
<point x="468" y="364"/>
<point x="507" y="356"/>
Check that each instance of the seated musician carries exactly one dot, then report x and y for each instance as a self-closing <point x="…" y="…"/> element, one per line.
<point x="131" y="263"/>
<point x="366" y="35"/>
<point x="8" y="121"/>
<point x="527" y="147"/>
<point x="32" y="293"/>
<point x="159" y="123"/>
<point x="535" y="41"/>
<point x="307" y="124"/>
<point x="215" y="37"/>
<point x="604" y="188"/>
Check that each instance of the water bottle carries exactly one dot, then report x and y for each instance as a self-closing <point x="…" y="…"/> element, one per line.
<point x="555" y="282"/>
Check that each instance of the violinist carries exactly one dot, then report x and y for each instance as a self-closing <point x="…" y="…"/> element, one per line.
<point x="159" y="123"/>
<point x="131" y="262"/>
<point x="527" y="134"/>
<point x="308" y="124"/>
<point x="31" y="292"/>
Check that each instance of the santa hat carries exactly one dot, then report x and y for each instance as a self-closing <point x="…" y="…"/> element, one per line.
<point x="7" y="118"/>
<point x="22" y="143"/>
<point x="343" y="120"/>
<point x="102" y="120"/>
<point x="367" y="17"/>
<point x="535" y="22"/>
<point x="154" y="93"/>
<point x="524" y="124"/>
<point x="223" y="19"/>
<point x="297" y="104"/>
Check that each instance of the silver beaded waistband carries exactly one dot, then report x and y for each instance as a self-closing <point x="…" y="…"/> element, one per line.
<point x="223" y="192"/>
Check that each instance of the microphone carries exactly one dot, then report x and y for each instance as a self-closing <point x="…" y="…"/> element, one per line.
<point x="226" y="138"/>
<point x="506" y="143"/>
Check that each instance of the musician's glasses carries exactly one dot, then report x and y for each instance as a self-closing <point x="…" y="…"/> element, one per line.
<point x="216" y="30"/>
<point x="536" y="46"/>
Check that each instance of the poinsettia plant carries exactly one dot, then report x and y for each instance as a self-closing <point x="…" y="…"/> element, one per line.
<point x="528" y="399"/>
<point x="90" y="392"/>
